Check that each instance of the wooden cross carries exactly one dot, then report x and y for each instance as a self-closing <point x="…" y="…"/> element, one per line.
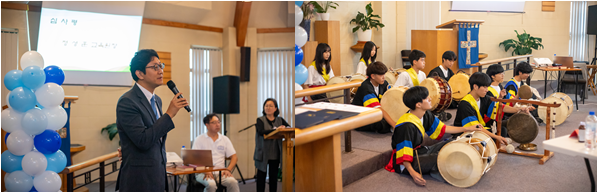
<point x="468" y="44"/>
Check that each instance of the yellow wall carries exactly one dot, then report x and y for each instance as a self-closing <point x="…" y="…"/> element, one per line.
<point x="96" y="106"/>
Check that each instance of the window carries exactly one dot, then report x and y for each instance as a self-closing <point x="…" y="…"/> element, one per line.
<point x="206" y="62"/>
<point x="276" y="80"/>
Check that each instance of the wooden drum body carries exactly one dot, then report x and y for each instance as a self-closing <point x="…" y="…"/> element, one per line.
<point x="390" y="78"/>
<point x="462" y="162"/>
<point x="392" y="102"/>
<point x="333" y="81"/>
<point x="562" y="112"/>
<point x="460" y="86"/>
<point x="440" y="93"/>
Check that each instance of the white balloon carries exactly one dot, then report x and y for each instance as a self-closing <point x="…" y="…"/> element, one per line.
<point x="18" y="181"/>
<point x="34" y="122"/>
<point x="8" y="103"/>
<point x="56" y="117"/>
<point x="47" y="181"/>
<point x="32" y="58"/>
<point x="298" y="15"/>
<point x="34" y="163"/>
<point x="19" y="143"/>
<point x="11" y="120"/>
<point x="299" y="100"/>
<point x="50" y="95"/>
<point x="300" y="36"/>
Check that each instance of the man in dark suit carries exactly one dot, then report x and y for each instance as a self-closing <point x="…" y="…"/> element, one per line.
<point x="143" y="128"/>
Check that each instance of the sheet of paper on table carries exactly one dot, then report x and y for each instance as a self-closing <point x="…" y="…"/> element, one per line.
<point x="336" y="106"/>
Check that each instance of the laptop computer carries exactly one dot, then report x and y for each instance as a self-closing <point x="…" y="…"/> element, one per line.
<point x="198" y="157"/>
<point x="565" y="61"/>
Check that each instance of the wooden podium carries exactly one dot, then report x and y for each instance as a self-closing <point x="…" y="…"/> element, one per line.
<point x="435" y="42"/>
<point x="287" y="155"/>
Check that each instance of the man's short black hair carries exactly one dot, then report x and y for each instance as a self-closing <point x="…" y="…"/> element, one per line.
<point x="415" y="55"/>
<point x="449" y="55"/>
<point x="523" y="67"/>
<point x="479" y="79"/>
<point x="376" y="68"/>
<point x="140" y="61"/>
<point x="415" y="95"/>
<point x="208" y="118"/>
<point x="494" y="70"/>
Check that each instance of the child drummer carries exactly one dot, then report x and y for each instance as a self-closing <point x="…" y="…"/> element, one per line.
<point x="408" y="136"/>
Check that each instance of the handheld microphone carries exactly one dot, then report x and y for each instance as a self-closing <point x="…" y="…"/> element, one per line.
<point x="172" y="87"/>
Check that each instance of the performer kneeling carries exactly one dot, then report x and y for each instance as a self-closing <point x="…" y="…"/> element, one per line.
<point x="476" y="108"/>
<point x="370" y="94"/>
<point x="409" y="156"/>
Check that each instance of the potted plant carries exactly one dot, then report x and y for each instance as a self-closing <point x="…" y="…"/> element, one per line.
<point x="525" y="44"/>
<point x="366" y="23"/>
<point x="308" y="13"/>
<point x="323" y="10"/>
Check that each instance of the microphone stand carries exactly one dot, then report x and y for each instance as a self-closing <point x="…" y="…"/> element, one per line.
<point x="246" y="128"/>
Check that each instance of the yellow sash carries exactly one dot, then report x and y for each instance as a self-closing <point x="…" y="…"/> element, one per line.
<point x="469" y="98"/>
<point x="414" y="77"/>
<point x="494" y="92"/>
<point x="362" y="60"/>
<point x="409" y="117"/>
<point x="325" y="75"/>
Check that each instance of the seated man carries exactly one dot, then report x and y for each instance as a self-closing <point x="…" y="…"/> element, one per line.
<point x="408" y="137"/>
<point x="522" y="72"/>
<point x="221" y="148"/>
<point x="476" y="108"/>
<point x="444" y="71"/>
<point x="415" y="75"/>
<point x="370" y="94"/>
<point x="496" y="73"/>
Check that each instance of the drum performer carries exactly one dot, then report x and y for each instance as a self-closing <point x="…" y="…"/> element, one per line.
<point x="409" y="157"/>
<point x="370" y="94"/>
<point x="522" y="72"/>
<point x="320" y="71"/>
<point x="444" y="71"/>
<point x="476" y="108"/>
<point x="496" y="73"/>
<point x="415" y="75"/>
<point x="367" y="57"/>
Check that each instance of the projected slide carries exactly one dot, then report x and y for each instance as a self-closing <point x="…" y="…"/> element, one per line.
<point x="87" y="41"/>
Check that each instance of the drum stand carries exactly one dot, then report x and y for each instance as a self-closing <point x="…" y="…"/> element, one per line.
<point x="546" y="154"/>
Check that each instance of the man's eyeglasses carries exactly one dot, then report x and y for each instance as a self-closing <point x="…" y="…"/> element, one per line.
<point x="156" y="67"/>
<point x="214" y="122"/>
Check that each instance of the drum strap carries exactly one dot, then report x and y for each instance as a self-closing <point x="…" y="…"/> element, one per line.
<point x="414" y="77"/>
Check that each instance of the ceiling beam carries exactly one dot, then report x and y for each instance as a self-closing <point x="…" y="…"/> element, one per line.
<point x="20" y="6"/>
<point x="276" y="30"/>
<point x="181" y="25"/>
<point x="241" y="21"/>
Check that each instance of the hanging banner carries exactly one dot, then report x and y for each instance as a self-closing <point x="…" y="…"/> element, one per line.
<point x="468" y="49"/>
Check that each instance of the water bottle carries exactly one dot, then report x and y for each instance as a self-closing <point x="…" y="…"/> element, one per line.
<point x="554" y="59"/>
<point x="182" y="152"/>
<point x="591" y="125"/>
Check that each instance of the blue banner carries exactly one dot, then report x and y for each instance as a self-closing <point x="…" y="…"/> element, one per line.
<point x="468" y="45"/>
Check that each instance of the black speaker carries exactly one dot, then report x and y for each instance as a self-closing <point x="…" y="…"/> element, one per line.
<point x="226" y="92"/>
<point x="245" y="63"/>
<point x="592" y="20"/>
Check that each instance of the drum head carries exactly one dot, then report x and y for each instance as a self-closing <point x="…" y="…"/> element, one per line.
<point x="460" y="164"/>
<point x="490" y="145"/>
<point x="390" y="78"/>
<point x="522" y="128"/>
<point x="561" y="111"/>
<point x="333" y="81"/>
<point x="566" y="100"/>
<point x="392" y="102"/>
<point x="525" y="92"/>
<point x="433" y="88"/>
<point x="460" y="86"/>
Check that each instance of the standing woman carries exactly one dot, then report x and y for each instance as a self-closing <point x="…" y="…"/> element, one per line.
<point x="367" y="57"/>
<point x="268" y="151"/>
<point x="320" y="71"/>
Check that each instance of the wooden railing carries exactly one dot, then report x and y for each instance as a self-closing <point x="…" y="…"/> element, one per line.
<point x="346" y="86"/>
<point x="69" y="172"/>
<point x="503" y="61"/>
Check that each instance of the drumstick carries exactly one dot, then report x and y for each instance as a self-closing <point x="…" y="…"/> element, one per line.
<point x="419" y="163"/>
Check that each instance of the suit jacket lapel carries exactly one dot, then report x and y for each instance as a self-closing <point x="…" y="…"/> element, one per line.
<point x="145" y="103"/>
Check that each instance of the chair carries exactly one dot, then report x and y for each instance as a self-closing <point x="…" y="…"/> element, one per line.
<point x="569" y="78"/>
<point x="405" y="62"/>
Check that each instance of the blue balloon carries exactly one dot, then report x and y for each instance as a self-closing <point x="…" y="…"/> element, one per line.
<point x="299" y="3"/>
<point x="12" y="79"/>
<point x="56" y="161"/>
<point x="18" y="181"/>
<point x="300" y="74"/>
<point x="10" y="162"/>
<point x="54" y="74"/>
<point x="33" y="77"/>
<point x="22" y="99"/>
<point x="298" y="55"/>
<point x="47" y="142"/>
<point x="33" y="189"/>
<point x="6" y="137"/>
